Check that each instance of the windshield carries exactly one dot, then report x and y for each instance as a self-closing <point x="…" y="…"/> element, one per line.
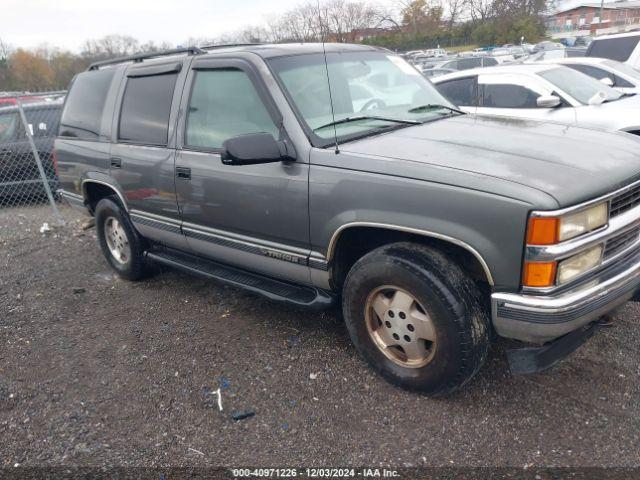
<point x="578" y="85"/>
<point x="623" y="68"/>
<point x="363" y="84"/>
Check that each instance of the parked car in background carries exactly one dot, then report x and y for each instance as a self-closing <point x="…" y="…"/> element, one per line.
<point x="541" y="46"/>
<point x="622" y="47"/>
<point x="518" y="51"/>
<point x="502" y="55"/>
<point x="583" y="41"/>
<point x="557" y="53"/>
<point x="253" y="166"/>
<point x="543" y="92"/>
<point x="435" y="52"/>
<point x="19" y="174"/>
<point x="615" y="74"/>
<point x="466" y="63"/>
<point x="435" y="72"/>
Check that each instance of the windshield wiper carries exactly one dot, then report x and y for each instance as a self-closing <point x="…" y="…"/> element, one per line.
<point x="433" y="106"/>
<point x="367" y="117"/>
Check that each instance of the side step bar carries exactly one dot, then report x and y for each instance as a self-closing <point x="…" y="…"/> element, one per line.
<point x="274" y="289"/>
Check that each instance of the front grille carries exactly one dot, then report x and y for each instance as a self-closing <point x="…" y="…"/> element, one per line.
<point x="625" y="201"/>
<point x="620" y="243"/>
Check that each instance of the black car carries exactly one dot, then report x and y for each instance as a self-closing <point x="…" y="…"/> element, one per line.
<point x="19" y="173"/>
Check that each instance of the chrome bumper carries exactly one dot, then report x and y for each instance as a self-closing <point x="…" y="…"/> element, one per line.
<point x="541" y="318"/>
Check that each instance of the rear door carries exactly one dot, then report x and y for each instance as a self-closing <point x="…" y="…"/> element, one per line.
<point x="252" y="216"/>
<point x="143" y="148"/>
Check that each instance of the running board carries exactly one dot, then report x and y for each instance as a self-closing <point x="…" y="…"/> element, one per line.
<point x="278" y="290"/>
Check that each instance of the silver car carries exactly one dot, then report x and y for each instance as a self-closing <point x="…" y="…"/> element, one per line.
<point x="542" y="92"/>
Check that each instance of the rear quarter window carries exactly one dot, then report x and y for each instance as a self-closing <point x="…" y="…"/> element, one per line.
<point x="619" y="49"/>
<point x="82" y="114"/>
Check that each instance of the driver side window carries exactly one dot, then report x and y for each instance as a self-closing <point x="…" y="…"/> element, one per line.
<point x="224" y="104"/>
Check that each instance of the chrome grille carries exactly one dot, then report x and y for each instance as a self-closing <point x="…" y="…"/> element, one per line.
<point x="625" y="201"/>
<point x="618" y="244"/>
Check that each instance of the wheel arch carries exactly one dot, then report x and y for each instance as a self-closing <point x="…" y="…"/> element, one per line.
<point x="94" y="190"/>
<point x="388" y="233"/>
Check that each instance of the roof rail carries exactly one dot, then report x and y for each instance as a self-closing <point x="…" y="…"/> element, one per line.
<point x="145" y="56"/>
<point x="228" y="45"/>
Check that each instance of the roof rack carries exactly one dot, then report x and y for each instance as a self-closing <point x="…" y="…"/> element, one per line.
<point x="228" y="45"/>
<point x="145" y="56"/>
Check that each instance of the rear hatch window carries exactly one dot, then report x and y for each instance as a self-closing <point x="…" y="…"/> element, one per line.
<point x="619" y="49"/>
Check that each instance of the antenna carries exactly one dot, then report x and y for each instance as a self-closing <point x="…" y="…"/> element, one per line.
<point x="326" y="67"/>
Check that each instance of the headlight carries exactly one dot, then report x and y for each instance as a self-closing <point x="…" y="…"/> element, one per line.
<point x="574" y="224"/>
<point x="551" y="230"/>
<point x="578" y="264"/>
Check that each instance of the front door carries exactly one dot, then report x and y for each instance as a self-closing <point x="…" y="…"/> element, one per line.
<point x="250" y="216"/>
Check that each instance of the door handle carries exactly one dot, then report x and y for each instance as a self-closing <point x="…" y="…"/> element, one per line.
<point x="116" y="162"/>
<point x="183" y="172"/>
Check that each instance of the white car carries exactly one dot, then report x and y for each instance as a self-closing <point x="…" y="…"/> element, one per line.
<point x="623" y="47"/>
<point x="502" y="55"/>
<point x="618" y="75"/>
<point x="542" y="92"/>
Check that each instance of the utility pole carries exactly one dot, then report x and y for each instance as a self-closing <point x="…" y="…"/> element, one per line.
<point x="601" y="12"/>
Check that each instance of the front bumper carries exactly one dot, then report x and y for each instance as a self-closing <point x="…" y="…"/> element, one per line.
<point x="542" y="318"/>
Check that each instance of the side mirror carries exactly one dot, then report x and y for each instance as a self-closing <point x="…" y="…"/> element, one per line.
<point x="254" y="148"/>
<point x="607" y="81"/>
<point x="598" y="98"/>
<point x="548" y="101"/>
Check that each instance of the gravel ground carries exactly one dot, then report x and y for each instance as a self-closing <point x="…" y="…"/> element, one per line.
<point x="95" y="371"/>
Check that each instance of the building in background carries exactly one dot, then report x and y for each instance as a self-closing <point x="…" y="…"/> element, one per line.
<point x="584" y="19"/>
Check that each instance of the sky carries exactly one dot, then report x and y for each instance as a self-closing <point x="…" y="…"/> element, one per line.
<point x="67" y="23"/>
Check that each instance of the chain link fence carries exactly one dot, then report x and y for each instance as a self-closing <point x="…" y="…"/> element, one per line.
<point x="28" y="169"/>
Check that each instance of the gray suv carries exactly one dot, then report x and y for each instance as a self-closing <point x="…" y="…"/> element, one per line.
<point x="341" y="176"/>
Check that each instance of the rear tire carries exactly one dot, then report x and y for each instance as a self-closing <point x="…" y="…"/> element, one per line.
<point x="120" y="243"/>
<point x="416" y="318"/>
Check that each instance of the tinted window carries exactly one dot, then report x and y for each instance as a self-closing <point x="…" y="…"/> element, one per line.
<point x="82" y="114"/>
<point x="461" y="92"/>
<point x="594" y="72"/>
<point x="146" y="105"/>
<point x="614" y="48"/>
<point x="620" y="82"/>
<point x="509" y="96"/>
<point x="225" y="104"/>
<point x="489" y="62"/>
<point x="467" y="63"/>
<point x="9" y="126"/>
<point x="43" y="122"/>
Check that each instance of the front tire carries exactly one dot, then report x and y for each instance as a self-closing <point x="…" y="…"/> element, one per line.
<point x="416" y="317"/>
<point x="120" y="243"/>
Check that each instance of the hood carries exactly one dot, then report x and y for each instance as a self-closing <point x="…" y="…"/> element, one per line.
<point x="570" y="164"/>
<point x="622" y="114"/>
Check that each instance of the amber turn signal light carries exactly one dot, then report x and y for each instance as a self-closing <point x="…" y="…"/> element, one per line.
<point x="543" y="231"/>
<point x="539" y="274"/>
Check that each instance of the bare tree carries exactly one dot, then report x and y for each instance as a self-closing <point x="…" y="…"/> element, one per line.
<point x="456" y="10"/>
